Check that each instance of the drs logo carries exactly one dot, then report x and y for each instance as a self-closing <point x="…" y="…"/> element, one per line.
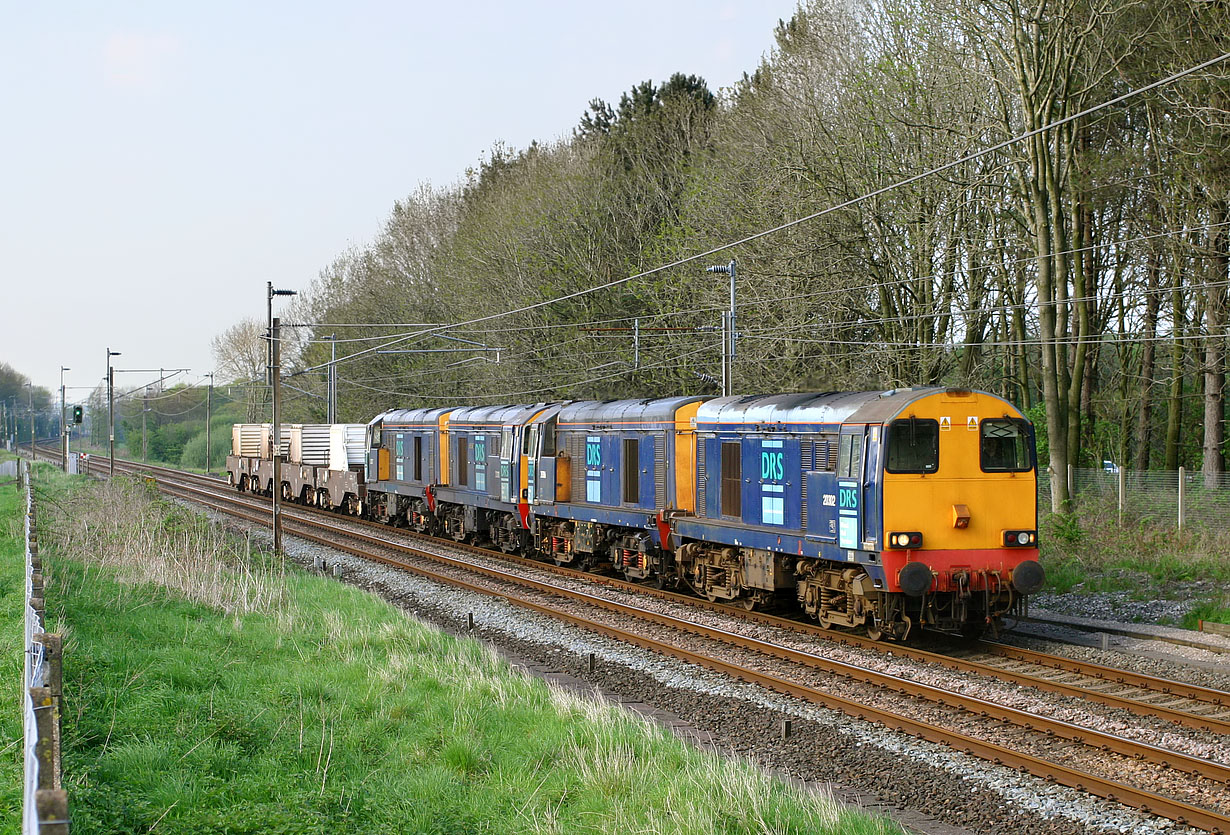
<point x="847" y="498"/>
<point x="772" y="466"/>
<point x="593" y="454"/>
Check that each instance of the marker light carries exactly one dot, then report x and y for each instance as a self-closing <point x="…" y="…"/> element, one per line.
<point x="906" y="539"/>
<point x="1020" y="539"/>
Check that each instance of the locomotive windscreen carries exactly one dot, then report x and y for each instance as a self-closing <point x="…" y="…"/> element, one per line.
<point x="913" y="446"/>
<point x="1005" y="446"/>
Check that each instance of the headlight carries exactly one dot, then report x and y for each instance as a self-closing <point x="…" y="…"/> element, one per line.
<point x="906" y="539"/>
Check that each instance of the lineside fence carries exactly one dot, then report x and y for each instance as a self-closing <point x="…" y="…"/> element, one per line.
<point x="1157" y="498"/>
<point x="45" y="811"/>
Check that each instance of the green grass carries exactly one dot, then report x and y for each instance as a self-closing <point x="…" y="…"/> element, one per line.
<point x="1213" y="612"/>
<point x="12" y="638"/>
<point x="313" y="707"/>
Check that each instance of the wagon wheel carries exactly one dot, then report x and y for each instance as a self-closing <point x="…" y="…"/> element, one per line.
<point x="874" y="632"/>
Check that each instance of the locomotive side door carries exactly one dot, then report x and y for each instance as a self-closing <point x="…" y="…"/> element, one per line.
<point x="850" y="493"/>
<point x="529" y="478"/>
<point x="508" y="455"/>
<point x="872" y="467"/>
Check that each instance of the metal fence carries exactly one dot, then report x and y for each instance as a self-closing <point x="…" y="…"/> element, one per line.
<point x="45" y="810"/>
<point x="1159" y="498"/>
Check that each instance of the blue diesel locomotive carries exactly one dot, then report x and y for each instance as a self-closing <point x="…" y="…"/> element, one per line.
<point x="883" y="511"/>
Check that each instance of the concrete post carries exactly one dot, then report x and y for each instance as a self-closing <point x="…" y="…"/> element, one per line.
<point x="1122" y="486"/>
<point x="44" y="748"/>
<point x="52" y="806"/>
<point x="1182" y="493"/>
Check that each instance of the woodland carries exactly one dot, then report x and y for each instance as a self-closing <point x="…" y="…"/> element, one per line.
<point x="916" y="193"/>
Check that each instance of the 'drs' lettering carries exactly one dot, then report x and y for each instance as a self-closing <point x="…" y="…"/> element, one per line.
<point x="847" y="498"/>
<point x="772" y="466"/>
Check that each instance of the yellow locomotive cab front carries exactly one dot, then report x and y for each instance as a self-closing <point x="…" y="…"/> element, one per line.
<point x="960" y="500"/>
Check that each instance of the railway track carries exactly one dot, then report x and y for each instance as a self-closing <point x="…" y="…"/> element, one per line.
<point x="809" y="676"/>
<point x="1094" y="629"/>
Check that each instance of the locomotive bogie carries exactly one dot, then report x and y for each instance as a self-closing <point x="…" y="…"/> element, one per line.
<point x="636" y="557"/>
<point x="505" y="533"/>
<point x="837" y="597"/>
<point x="750" y="577"/>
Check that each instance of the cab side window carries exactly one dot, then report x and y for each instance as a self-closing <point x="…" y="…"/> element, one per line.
<point x="632" y="470"/>
<point x="850" y="457"/>
<point x="463" y="461"/>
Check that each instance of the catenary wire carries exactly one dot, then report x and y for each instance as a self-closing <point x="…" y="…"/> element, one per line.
<point x="790" y="224"/>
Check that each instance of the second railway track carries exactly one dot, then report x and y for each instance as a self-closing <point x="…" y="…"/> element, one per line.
<point x="947" y="716"/>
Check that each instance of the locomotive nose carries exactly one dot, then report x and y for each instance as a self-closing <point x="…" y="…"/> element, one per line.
<point x="1028" y="577"/>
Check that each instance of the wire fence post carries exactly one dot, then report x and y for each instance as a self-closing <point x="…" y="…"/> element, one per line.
<point x="1182" y="493"/>
<point x="52" y="807"/>
<point x="1122" y="485"/>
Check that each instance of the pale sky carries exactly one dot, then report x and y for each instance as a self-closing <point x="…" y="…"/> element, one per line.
<point x="161" y="161"/>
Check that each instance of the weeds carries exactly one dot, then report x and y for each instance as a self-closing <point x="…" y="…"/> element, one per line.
<point x="1090" y="550"/>
<point x="122" y="525"/>
<point x="1214" y="611"/>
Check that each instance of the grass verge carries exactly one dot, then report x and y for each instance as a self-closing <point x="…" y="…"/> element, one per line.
<point x="1091" y="552"/>
<point x="263" y="699"/>
<point x="12" y="639"/>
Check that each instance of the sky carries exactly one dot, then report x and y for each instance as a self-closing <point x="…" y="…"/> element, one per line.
<point x="161" y="161"/>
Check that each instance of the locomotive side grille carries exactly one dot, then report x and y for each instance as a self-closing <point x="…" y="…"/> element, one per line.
<point x="576" y="449"/>
<point x="659" y="471"/>
<point x="808" y="455"/>
<point x="701" y="480"/>
<point x="826" y="453"/>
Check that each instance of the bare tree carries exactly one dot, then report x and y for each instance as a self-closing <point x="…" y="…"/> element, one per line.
<point x="239" y="356"/>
